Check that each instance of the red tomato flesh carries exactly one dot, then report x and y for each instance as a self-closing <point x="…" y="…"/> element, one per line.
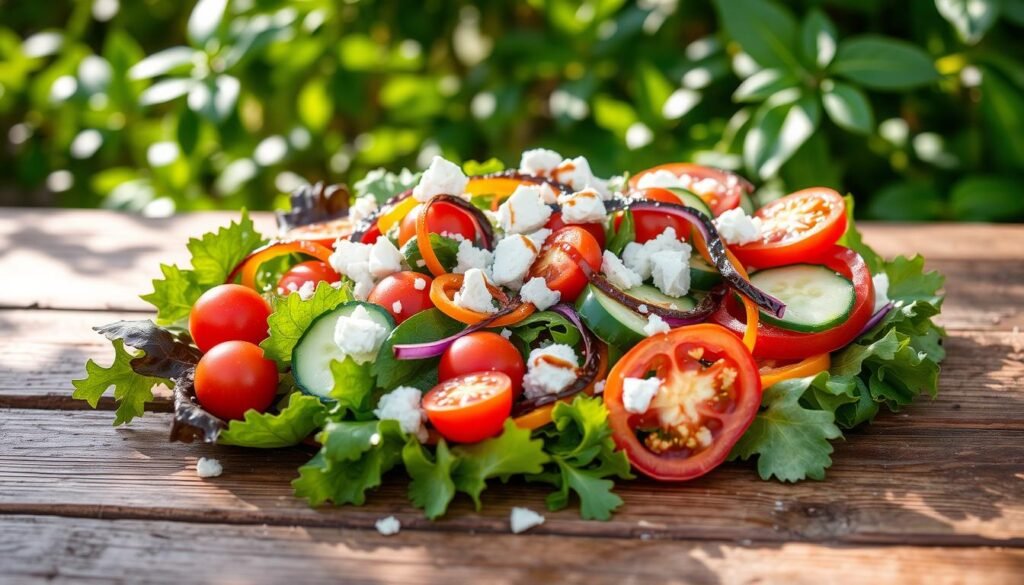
<point x="399" y="295"/>
<point x="310" y="271"/>
<point x="560" y="269"/>
<point x="483" y="351"/>
<point x="796" y="228"/>
<point x="228" y="312"/>
<point x="650" y="224"/>
<point x="442" y="218"/>
<point x="719" y="189"/>
<point x="470" y="408"/>
<point x="555" y="223"/>
<point x="233" y="378"/>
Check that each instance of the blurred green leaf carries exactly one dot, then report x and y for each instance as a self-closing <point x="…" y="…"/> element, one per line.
<point x="778" y="130"/>
<point x="315" y="105"/>
<point x="762" y="84"/>
<point x="906" y="201"/>
<point x="652" y="91"/>
<point x="1002" y="109"/>
<point x="818" y="39"/>
<point x="987" y="198"/>
<point x="204" y="21"/>
<point x="767" y="31"/>
<point x="162" y="63"/>
<point x="970" y="18"/>
<point x="848" y="107"/>
<point x="883" y="63"/>
<point x="614" y="115"/>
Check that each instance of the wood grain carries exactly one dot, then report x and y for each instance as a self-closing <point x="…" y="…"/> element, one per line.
<point x="46" y="549"/>
<point x="888" y="485"/>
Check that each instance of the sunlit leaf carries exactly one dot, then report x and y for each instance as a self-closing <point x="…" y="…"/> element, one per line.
<point x="204" y="21"/>
<point x="883" y="63"/>
<point x="766" y="30"/>
<point x="162" y="62"/>
<point x="777" y="132"/>
<point x="848" y="107"/>
<point x="970" y="18"/>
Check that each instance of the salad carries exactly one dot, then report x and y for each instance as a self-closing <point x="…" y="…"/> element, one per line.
<point x="472" y="324"/>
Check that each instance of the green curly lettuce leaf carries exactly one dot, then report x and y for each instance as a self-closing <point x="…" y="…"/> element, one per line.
<point x="300" y="417"/>
<point x="431" y="487"/>
<point x="292" y="316"/>
<point x="513" y="452"/>
<point x="131" y="390"/>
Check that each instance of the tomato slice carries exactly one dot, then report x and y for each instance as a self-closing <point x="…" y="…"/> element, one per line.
<point x="796" y="228"/>
<point x="718" y="188"/>
<point x="560" y="269"/>
<point x="782" y="344"/>
<point x="555" y="223"/>
<point x="709" y="395"/>
<point x="470" y="408"/>
<point x="323" y="233"/>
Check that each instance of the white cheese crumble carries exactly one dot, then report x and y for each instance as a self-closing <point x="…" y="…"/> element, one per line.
<point x="655" y="325"/>
<point x="660" y="179"/>
<point x="523" y="519"/>
<point x="599" y="386"/>
<point x="469" y="257"/>
<point x="643" y="309"/>
<point x="547" y="193"/>
<point x="419" y="283"/>
<point x="352" y="259"/>
<point x="638" y="256"/>
<point x="453" y="236"/>
<point x="621" y="277"/>
<point x="536" y="291"/>
<point x="388" y="526"/>
<point x="539" y="161"/>
<point x="539" y="237"/>
<point x="524" y="211"/>
<point x="403" y="405"/>
<point x="208" y="467"/>
<point x="307" y="290"/>
<point x="506" y="333"/>
<point x="362" y="208"/>
<point x="358" y="335"/>
<point x="584" y="206"/>
<point x="637" y="393"/>
<point x="397" y="307"/>
<point x="550" y="370"/>
<point x="738" y="228"/>
<point x="513" y="257"/>
<point x="442" y="177"/>
<point x="881" y="283"/>
<point x="670" y="272"/>
<point x="576" y="173"/>
<point x="385" y="259"/>
<point x="473" y="295"/>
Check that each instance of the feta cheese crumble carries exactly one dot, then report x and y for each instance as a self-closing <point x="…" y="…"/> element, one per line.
<point x="670" y="272"/>
<point x="584" y="206"/>
<point x="362" y="208"/>
<point x="539" y="237"/>
<point x="388" y="526"/>
<point x="506" y="333"/>
<point x="539" y="161"/>
<point x="550" y="370"/>
<point x="621" y="277"/>
<point x="208" y="467"/>
<point x="513" y="257"/>
<point x="397" y="307"/>
<point x="473" y="295"/>
<point x="403" y="405"/>
<point x="442" y="177"/>
<point x="523" y="519"/>
<point x="576" y="173"/>
<point x="655" y="325"/>
<point x="385" y="259"/>
<point x="419" y="283"/>
<point x="660" y="179"/>
<point x="881" y="283"/>
<point x="359" y="336"/>
<point x="637" y="393"/>
<point x="352" y="259"/>
<point x="469" y="257"/>
<point x="599" y="386"/>
<point x="637" y="257"/>
<point x="536" y="291"/>
<point x="524" y="211"/>
<point x="736" y="227"/>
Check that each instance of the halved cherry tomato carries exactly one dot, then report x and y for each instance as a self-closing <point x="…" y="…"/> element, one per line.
<point x="310" y="271"/>
<point x="561" y="270"/>
<point x="323" y="233"/>
<point x="709" y="394"/>
<point x="721" y="192"/>
<point x="399" y="295"/>
<point x="796" y="228"/>
<point x="483" y="351"/>
<point x="249" y="267"/>
<point x="233" y="378"/>
<point x="781" y="344"/>
<point x="470" y="408"/>
<point x="441" y="218"/>
<point x="228" y="312"/>
<point x="649" y="224"/>
<point x="555" y="223"/>
<point x="773" y="372"/>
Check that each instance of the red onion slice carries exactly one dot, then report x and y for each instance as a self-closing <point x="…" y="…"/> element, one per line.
<point x="876" y="318"/>
<point x="429" y="349"/>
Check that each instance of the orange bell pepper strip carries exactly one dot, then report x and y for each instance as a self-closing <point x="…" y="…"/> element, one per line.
<point x="250" y="265"/>
<point x="753" y="314"/>
<point x="807" y="367"/>
<point x="442" y="293"/>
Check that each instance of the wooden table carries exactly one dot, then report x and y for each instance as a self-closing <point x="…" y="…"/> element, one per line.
<point x="934" y="494"/>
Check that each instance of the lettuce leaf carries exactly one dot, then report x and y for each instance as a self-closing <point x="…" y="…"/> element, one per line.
<point x="131" y="390"/>
<point x="292" y="316"/>
<point x="297" y="420"/>
<point x="431" y="487"/>
<point x="513" y="452"/>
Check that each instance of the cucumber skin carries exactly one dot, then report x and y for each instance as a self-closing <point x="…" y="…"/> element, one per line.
<point x="596" y="317"/>
<point x="817" y="328"/>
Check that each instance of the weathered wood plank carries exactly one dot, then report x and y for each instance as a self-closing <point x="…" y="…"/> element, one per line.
<point x="888" y="485"/>
<point x="49" y="549"/>
<point x="42" y="351"/>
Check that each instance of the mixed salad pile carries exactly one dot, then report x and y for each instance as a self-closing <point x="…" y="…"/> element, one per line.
<point x="472" y="324"/>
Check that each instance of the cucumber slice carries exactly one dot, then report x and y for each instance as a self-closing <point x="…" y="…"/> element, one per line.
<point x="313" y="354"/>
<point x="703" y="276"/>
<point x="746" y="203"/>
<point x="653" y="296"/>
<point x="690" y="199"/>
<point x="608" y="319"/>
<point x="816" y="297"/>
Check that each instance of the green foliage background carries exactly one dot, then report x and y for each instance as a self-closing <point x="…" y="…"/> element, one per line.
<point x="916" y="107"/>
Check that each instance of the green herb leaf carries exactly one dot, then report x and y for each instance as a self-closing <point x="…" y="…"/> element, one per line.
<point x="297" y="420"/>
<point x="174" y="294"/>
<point x="431" y="487"/>
<point x="624" y="234"/>
<point x="491" y="165"/>
<point x="852" y="239"/>
<point x="883" y="63"/>
<point x="970" y="18"/>
<point x="131" y="390"/>
<point x="510" y="453"/>
<point x="422" y="327"/>
<point x="781" y="129"/>
<point x="818" y="39"/>
<point x="909" y="282"/>
<point x="766" y="31"/>
<point x="384" y="185"/>
<point x="292" y="316"/>
<point x="215" y="254"/>
<point x="446" y="250"/>
<point x="353" y="384"/>
<point x="848" y="107"/>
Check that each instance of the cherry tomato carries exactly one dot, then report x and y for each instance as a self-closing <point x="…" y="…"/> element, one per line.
<point x="228" y="312"/>
<point x="399" y="295"/>
<point x="555" y="223"/>
<point x="782" y="344"/>
<point x="719" y="189"/>
<point x="470" y="408"/>
<point x="710" y="392"/>
<point x="311" y="271"/>
<point x="441" y="218"/>
<point x="480" y="352"/>
<point x="323" y="233"/>
<point x="796" y="228"/>
<point x="649" y="224"/>
<point x="560" y="269"/>
<point x="235" y="377"/>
